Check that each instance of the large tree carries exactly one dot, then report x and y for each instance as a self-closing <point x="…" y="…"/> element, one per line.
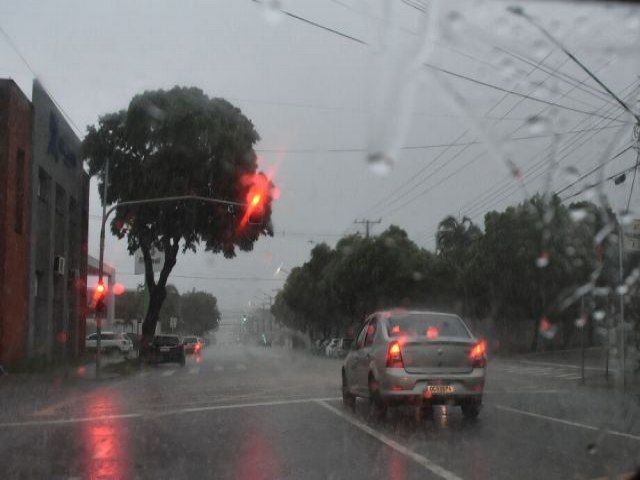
<point x="175" y="143"/>
<point x="199" y="312"/>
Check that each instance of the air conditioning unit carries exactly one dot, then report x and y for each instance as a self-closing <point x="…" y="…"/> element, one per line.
<point x="58" y="265"/>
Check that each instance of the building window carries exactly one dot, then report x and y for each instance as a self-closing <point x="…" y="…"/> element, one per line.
<point x="19" y="210"/>
<point x="43" y="185"/>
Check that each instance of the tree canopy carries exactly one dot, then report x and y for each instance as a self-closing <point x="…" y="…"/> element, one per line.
<point x="176" y="143"/>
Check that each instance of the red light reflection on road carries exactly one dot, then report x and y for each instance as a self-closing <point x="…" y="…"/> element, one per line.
<point x="397" y="466"/>
<point x="106" y="443"/>
<point x="256" y="458"/>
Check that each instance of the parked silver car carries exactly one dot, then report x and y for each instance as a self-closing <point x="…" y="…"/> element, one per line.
<point x="419" y="357"/>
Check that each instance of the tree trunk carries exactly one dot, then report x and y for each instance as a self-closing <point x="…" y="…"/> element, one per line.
<point x="157" y="296"/>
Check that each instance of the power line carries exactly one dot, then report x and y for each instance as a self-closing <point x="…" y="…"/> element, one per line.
<point x="519" y="11"/>
<point x="589" y="187"/>
<point x="198" y="277"/>
<point x="428" y="65"/>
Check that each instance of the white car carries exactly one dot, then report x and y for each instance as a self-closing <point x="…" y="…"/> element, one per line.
<point x="330" y="349"/>
<point x="109" y="342"/>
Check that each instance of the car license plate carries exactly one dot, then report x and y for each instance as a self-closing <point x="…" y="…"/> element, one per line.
<point x="165" y="349"/>
<point x="441" y="389"/>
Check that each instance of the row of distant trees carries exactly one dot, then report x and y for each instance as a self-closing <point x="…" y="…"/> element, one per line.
<point x="536" y="268"/>
<point x="197" y="311"/>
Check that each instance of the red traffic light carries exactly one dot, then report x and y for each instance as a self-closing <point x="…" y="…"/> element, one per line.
<point x="99" y="298"/>
<point x="257" y="197"/>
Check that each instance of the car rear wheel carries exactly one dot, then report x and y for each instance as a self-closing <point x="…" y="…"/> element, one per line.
<point x="377" y="407"/>
<point x="470" y="409"/>
<point x="348" y="398"/>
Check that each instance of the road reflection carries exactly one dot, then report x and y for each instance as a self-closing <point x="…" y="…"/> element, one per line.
<point x="256" y="458"/>
<point x="106" y="442"/>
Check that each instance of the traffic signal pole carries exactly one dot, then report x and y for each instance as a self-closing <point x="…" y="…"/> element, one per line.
<point x="105" y="215"/>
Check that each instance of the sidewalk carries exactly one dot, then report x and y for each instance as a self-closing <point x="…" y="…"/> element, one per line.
<point x="595" y="366"/>
<point x="112" y="367"/>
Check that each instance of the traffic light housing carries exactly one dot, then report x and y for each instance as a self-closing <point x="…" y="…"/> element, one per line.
<point x="100" y="298"/>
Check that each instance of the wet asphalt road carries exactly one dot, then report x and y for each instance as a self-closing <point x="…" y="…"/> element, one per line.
<point x="267" y="413"/>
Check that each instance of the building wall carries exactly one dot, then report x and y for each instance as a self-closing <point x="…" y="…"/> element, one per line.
<point x="59" y="226"/>
<point x="15" y="167"/>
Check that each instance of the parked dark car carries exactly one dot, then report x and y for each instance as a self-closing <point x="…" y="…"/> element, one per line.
<point x="167" y="348"/>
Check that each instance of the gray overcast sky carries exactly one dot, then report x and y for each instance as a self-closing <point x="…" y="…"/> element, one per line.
<point x="311" y="92"/>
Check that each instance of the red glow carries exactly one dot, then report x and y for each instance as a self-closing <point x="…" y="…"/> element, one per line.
<point x="259" y="186"/>
<point x="428" y="394"/>
<point x="395" y="329"/>
<point x="118" y="289"/>
<point x="394" y="356"/>
<point x="432" y="332"/>
<point x="256" y="200"/>
<point x="100" y="290"/>
<point x="545" y="324"/>
<point x="478" y="350"/>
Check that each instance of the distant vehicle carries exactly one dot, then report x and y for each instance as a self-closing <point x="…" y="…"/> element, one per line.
<point x="329" y="350"/>
<point x="192" y="344"/>
<point x="418" y="357"/>
<point x="110" y="342"/>
<point x="167" y="348"/>
<point x="344" y="345"/>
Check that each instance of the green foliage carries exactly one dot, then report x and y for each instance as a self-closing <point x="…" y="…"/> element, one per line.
<point x="199" y="312"/>
<point x="534" y="260"/>
<point x="176" y="143"/>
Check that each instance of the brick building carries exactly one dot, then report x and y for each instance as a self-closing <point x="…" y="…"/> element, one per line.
<point x="44" y="275"/>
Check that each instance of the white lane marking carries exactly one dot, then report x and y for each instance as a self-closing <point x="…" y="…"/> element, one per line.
<point x="568" y="376"/>
<point x="565" y="422"/>
<point x="271" y="403"/>
<point x="194" y="370"/>
<point x="241" y="367"/>
<point x="523" y="392"/>
<point x="218" y="368"/>
<point x="565" y="365"/>
<point x="416" y="457"/>
<point x="168" y="373"/>
<point x="63" y="421"/>
<point x="148" y="415"/>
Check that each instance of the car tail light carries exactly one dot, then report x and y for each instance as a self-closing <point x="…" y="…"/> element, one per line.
<point x="394" y="356"/>
<point x="478" y="354"/>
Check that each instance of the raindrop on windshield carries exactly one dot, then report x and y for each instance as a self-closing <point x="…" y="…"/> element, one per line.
<point x="578" y="214"/>
<point x="599" y="315"/>
<point x="622" y="289"/>
<point x="543" y="260"/>
<point x="540" y="48"/>
<point x="627" y="217"/>
<point x="537" y="125"/>
<point x="571" y="174"/>
<point x="417" y="276"/>
<point x="455" y="21"/>
<point x="547" y="329"/>
<point x="272" y="11"/>
<point x="380" y="163"/>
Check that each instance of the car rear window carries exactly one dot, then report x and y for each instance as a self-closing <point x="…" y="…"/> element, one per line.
<point x="107" y="336"/>
<point x="429" y="324"/>
<point x="190" y="339"/>
<point x="166" y="341"/>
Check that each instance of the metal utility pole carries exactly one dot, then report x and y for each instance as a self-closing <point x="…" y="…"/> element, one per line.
<point x="105" y="189"/>
<point x="367" y="225"/>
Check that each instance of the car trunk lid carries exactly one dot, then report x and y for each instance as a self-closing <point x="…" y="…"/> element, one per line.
<point x="442" y="356"/>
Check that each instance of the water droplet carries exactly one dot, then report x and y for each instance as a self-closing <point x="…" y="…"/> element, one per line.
<point x="578" y="262"/>
<point x="417" y="276"/>
<point x="543" y="260"/>
<point x="455" y="20"/>
<point x="540" y="48"/>
<point x="633" y="22"/>
<point x="501" y="25"/>
<point x="571" y="174"/>
<point x="581" y="24"/>
<point x="381" y="163"/>
<point x="590" y="193"/>
<point x="601" y="291"/>
<point x="272" y="11"/>
<point x="580" y="322"/>
<point x="570" y="251"/>
<point x="627" y="217"/>
<point x="548" y="216"/>
<point x="622" y="289"/>
<point x="346" y="250"/>
<point x="507" y="68"/>
<point x="390" y="242"/>
<point x="578" y="214"/>
<point x="599" y="315"/>
<point x="537" y="124"/>
<point x="592" y="449"/>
